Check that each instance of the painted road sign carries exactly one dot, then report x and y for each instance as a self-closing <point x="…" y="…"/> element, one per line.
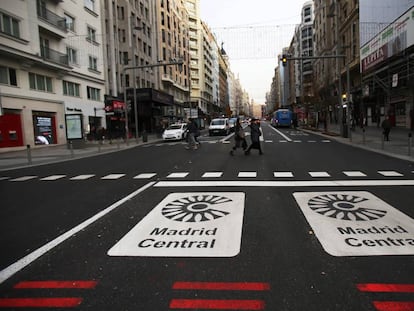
<point x="202" y="224"/>
<point x="357" y="223"/>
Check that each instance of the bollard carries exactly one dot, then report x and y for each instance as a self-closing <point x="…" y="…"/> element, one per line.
<point x="363" y="135"/>
<point x="382" y="141"/>
<point x="118" y="144"/>
<point x="409" y="143"/>
<point x="72" y="154"/>
<point x="29" y="155"/>
<point x="99" y="146"/>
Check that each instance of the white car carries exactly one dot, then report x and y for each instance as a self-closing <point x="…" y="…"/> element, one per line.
<point x="175" y="132"/>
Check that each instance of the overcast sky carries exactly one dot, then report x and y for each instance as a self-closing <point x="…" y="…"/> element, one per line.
<point x="254" y="33"/>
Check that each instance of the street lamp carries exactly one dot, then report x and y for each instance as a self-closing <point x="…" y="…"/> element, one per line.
<point x="135" y="78"/>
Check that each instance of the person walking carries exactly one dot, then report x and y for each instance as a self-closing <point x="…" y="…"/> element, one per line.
<point x="239" y="137"/>
<point x="192" y="132"/>
<point x="255" y="134"/>
<point x="386" y="128"/>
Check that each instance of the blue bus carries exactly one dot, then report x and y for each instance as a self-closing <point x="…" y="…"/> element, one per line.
<point x="282" y="117"/>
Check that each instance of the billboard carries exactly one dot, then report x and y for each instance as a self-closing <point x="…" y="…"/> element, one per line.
<point x="392" y="40"/>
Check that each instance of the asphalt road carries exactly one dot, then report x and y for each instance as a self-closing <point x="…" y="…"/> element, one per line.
<point x="310" y="225"/>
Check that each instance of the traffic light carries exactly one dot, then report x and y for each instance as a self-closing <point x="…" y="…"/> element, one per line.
<point x="284" y="60"/>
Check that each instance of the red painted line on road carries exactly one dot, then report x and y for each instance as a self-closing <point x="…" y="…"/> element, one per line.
<point x="394" y="305"/>
<point x="57" y="284"/>
<point x="40" y="302"/>
<point x="222" y="286"/>
<point x="215" y="304"/>
<point x="386" y="288"/>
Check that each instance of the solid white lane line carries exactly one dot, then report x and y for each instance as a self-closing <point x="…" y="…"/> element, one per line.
<point x="299" y="183"/>
<point x="28" y="259"/>
<point x="280" y="133"/>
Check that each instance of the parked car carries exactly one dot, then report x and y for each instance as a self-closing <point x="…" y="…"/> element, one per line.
<point x="175" y="132"/>
<point x="219" y="126"/>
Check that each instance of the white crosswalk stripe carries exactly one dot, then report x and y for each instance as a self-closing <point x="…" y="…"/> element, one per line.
<point x="212" y="174"/>
<point x="82" y="177"/>
<point x="282" y="174"/>
<point x="178" y="175"/>
<point x="53" y="177"/>
<point x="354" y="174"/>
<point x="390" y="173"/>
<point x="23" y="178"/>
<point x="113" y="176"/>
<point x="145" y="176"/>
<point x="319" y="174"/>
<point x="247" y="174"/>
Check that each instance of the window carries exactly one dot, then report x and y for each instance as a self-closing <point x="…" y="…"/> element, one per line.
<point x="9" y="25"/>
<point x="91" y="34"/>
<point x="93" y="93"/>
<point x="70" y="89"/>
<point x="69" y="22"/>
<point x="8" y="76"/>
<point x="90" y="5"/>
<point x="93" y="63"/>
<point x="40" y="83"/>
<point x="72" y="55"/>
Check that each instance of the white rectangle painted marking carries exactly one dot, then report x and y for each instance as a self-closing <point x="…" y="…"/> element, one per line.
<point x="4" y="178"/>
<point x="247" y="174"/>
<point x="282" y="174"/>
<point x="194" y="224"/>
<point x="82" y="177"/>
<point x="53" y="177"/>
<point x="319" y="174"/>
<point x="212" y="174"/>
<point x="145" y="175"/>
<point x="177" y="175"/>
<point x="357" y="223"/>
<point x="23" y="178"/>
<point x="354" y="174"/>
<point x="390" y="173"/>
<point x="326" y="141"/>
<point x="113" y="176"/>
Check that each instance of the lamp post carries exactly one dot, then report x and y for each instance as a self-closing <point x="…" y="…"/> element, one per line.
<point x="134" y="77"/>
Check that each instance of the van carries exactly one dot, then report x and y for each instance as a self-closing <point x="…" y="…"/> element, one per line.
<point x="219" y="126"/>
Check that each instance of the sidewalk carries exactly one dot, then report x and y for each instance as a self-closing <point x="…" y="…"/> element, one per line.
<point x="56" y="153"/>
<point x="400" y="145"/>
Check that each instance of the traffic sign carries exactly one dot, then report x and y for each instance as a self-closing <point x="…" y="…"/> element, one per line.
<point x="202" y="224"/>
<point x="357" y="223"/>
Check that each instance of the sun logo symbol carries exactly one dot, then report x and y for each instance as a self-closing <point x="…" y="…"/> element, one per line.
<point x="345" y="207"/>
<point x="195" y="208"/>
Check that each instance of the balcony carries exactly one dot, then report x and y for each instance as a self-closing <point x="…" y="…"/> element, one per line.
<point x="52" y="22"/>
<point x="54" y="56"/>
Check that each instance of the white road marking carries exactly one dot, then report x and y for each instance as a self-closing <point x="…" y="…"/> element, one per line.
<point x="280" y="133"/>
<point x="4" y="178"/>
<point x="299" y="183"/>
<point x="354" y="174"/>
<point x="178" y="175"/>
<point x="113" y="176"/>
<point x="297" y="141"/>
<point x="145" y="175"/>
<point x="23" y="178"/>
<point x="389" y="173"/>
<point x="268" y="141"/>
<point x="282" y="174"/>
<point x="311" y="141"/>
<point x="212" y="174"/>
<point x="82" y="177"/>
<point x="319" y="174"/>
<point x="247" y="174"/>
<point x="326" y="141"/>
<point x="53" y="177"/>
<point x="28" y="259"/>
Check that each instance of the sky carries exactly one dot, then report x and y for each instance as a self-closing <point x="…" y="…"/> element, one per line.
<point x="253" y="35"/>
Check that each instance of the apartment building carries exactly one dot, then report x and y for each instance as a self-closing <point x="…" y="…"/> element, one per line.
<point x="52" y="74"/>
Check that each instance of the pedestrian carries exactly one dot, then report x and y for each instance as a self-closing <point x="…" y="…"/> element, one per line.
<point x="255" y="133"/>
<point x="192" y="132"/>
<point x="239" y="137"/>
<point x="386" y="128"/>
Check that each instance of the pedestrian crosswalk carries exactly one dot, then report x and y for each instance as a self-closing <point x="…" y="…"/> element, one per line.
<point x="227" y="140"/>
<point x="216" y="174"/>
